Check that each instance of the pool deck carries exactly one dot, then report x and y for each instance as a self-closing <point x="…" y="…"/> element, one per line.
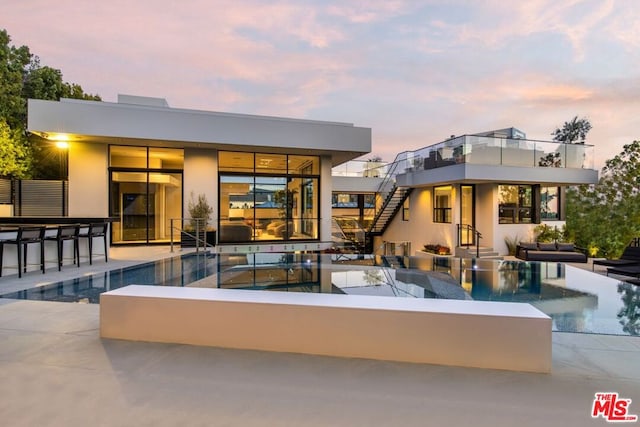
<point x="56" y="371"/>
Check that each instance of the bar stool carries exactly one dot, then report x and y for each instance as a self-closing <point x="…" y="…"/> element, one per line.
<point x="65" y="233"/>
<point x="24" y="236"/>
<point x="96" y="229"/>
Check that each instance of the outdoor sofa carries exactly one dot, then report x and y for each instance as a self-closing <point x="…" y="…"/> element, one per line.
<point x="550" y="252"/>
<point x="630" y="257"/>
<point x="627" y="270"/>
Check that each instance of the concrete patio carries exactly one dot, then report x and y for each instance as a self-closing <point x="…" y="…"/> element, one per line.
<point x="56" y="371"/>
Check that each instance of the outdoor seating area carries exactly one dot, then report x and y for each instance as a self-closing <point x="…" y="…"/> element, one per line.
<point x="550" y="252"/>
<point x="630" y="257"/>
<point x="629" y="270"/>
<point x="49" y="241"/>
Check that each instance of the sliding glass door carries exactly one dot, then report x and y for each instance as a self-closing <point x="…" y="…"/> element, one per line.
<point x="144" y="198"/>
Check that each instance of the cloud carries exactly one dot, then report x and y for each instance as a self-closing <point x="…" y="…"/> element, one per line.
<point x="415" y="72"/>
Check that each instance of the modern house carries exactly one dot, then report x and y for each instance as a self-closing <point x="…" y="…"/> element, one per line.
<point x="140" y="162"/>
<point x="274" y="180"/>
<point x="469" y="190"/>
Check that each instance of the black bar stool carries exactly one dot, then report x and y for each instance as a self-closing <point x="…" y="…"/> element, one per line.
<point x="65" y="233"/>
<point x="24" y="236"/>
<point x="96" y="229"/>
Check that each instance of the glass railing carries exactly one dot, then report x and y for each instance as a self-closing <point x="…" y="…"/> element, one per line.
<point x="482" y="150"/>
<point x="361" y="168"/>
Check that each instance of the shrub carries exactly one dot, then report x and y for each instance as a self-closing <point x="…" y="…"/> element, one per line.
<point x="512" y="243"/>
<point x="199" y="209"/>
<point x="437" y="249"/>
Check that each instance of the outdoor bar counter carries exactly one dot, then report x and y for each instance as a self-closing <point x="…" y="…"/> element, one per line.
<point x="89" y="229"/>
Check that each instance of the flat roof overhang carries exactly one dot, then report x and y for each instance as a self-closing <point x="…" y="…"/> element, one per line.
<point x="470" y="173"/>
<point x="129" y="124"/>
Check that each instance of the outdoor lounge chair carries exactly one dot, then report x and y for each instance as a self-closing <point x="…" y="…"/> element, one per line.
<point x="631" y="270"/>
<point x="630" y="257"/>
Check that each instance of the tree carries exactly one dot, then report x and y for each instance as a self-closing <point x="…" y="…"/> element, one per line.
<point x="23" y="77"/>
<point x="14" y="153"/>
<point x="13" y="69"/>
<point x="606" y="216"/>
<point x="572" y="132"/>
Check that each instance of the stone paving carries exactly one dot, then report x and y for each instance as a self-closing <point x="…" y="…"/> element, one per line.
<point x="56" y="371"/>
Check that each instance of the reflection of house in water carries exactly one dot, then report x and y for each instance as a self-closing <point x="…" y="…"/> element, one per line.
<point x="542" y="285"/>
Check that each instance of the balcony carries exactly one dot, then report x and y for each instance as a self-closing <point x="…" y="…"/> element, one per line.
<point x="474" y="158"/>
<point x="361" y="169"/>
<point x="481" y="150"/>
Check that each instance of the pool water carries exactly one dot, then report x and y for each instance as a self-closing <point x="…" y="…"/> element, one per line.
<point x="575" y="299"/>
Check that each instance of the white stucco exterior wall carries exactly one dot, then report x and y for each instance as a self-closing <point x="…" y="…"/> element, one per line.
<point x="326" y="187"/>
<point x="420" y="228"/>
<point x="88" y="180"/>
<point x="201" y="177"/>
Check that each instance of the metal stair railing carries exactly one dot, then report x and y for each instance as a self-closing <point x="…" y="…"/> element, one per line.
<point x="198" y="234"/>
<point x="468" y="230"/>
<point x="387" y="187"/>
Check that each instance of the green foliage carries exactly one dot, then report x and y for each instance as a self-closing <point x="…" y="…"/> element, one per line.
<point x="629" y="314"/>
<point x="572" y="132"/>
<point x="512" y="243"/>
<point x="14" y="153"/>
<point x="22" y="77"/>
<point x="552" y="160"/>
<point x="546" y="233"/>
<point x="199" y="209"/>
<point x="13" y="69"/>
<point x="606" y="216"/>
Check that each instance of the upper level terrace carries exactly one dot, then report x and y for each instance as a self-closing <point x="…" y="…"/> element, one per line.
<point x="474" y="158"/>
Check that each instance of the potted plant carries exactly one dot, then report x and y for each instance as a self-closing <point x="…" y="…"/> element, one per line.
<point x="199" y="221"/>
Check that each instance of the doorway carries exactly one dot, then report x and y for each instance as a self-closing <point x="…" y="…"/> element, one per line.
<point x="467" y="215"/>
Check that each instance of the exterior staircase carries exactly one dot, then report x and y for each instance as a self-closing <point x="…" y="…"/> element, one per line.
<point x="475" y="252"/>
<point x="391" y="205"/>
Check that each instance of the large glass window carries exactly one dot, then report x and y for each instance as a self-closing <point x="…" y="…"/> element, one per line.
<point x="145" y="192"/>
<point x="344" y="200"/>
<point x="405" y="210"/>
<point x="550" y="203"/>
<point x="358" y="206"/>
<point x="515" y="204"/>
<point x="270" y="202"/>
<point x="442" y="204"/>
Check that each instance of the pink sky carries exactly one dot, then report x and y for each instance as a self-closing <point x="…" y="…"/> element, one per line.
<point x="414" y="71"/>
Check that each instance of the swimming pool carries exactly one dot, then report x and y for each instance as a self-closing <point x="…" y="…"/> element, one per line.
<point x="576" y="300"/>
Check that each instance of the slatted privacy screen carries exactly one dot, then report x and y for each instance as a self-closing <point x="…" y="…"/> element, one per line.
<point x="5" y="191"/>
<point x="41" y="198"/>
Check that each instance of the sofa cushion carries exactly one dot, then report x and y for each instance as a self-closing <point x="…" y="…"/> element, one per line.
<point x="546" y="246"/>
<point x="556" y="256"/>
<point x="529" y="245"/>
<point x="566" y="247"/>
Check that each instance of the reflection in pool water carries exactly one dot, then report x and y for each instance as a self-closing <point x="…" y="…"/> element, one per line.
<point x="576" y="300"/>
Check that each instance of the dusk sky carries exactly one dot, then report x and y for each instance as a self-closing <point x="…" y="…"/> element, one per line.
<point x="415" y="72"/>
